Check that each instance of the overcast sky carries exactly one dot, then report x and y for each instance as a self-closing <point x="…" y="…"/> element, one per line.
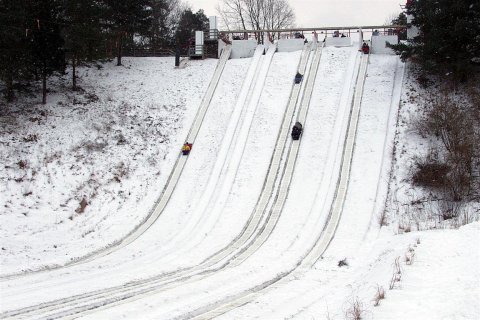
<point x="328" y="13"/>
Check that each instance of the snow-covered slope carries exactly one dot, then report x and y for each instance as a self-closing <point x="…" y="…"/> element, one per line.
<point x="260" y="266"/>
<point x="113" y="146"/>
<point x="189" y="231"/>
<point x="270" y="111"/>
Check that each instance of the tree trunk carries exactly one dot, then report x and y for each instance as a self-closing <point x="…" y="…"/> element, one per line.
<point x="74" y="77"/>
<point x="44" y="84"/>
<point x="119" y="53"/>
<point x="9" y="95"/>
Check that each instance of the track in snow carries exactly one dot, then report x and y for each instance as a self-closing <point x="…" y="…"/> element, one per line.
<point x="366" y="194"/>
<point x="280" y="195"/>
<point x="227" y="160"/>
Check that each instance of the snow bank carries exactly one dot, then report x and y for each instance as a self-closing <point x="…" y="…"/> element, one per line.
<point x="442" y="282"/>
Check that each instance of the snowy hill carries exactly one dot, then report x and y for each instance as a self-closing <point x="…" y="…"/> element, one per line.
<point x="115" y="144"/>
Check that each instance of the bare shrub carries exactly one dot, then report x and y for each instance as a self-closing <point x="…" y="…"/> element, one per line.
<point x="49" y="158"/>
<point x="424" y="81"/>
<point x="417" y="214"/>
<point x="404" y="227"/>
<point x="450" y="168"/>
<point x="466" y="217"/>
<point x="121" y="140"/>
<point x="153" y="160"/>
<point x="397" y="273"/>
<point x="445" y="209"/>
<point x="449" y="119"/>
<point x="121" y="171"/>
<point x="22" y="164"/>
<point x="82" y="206"/>
<point x="91" y="97"/>
<point x="343" y="262"/>
<point x="382" y="218"/>
<point x="450" y="209"/>
<point x="356" y="310"/>
<point x="409" y="256"/>
<point x="379" y="295"/>
<point x="30" y="138"/>
<point x="327" y="315"/>
<point x="430" y="172"/>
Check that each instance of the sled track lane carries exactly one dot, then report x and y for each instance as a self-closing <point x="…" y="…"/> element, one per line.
<point x="228" y="157"/>
<point x="280" y="195"/>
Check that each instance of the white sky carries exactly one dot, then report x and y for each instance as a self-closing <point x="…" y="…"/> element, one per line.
<point x="325" y="13"/>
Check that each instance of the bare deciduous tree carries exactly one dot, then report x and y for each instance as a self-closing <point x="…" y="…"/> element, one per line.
<point x="277" y="14"/>
<point x="233" y="14"/>
<point x="256" y="14"/>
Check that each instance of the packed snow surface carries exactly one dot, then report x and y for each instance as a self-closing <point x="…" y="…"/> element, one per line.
<point x="116" y="146"/>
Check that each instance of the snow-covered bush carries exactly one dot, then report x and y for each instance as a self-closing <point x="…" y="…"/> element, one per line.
<point x="356" y="310"/>
<point x="379" y="295"/>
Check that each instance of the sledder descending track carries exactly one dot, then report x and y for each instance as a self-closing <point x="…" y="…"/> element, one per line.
<point x="228" y="157"/>
<point x="258" y="233"/>
<point x="177" y="169"/>
<point x="167" y="191"/>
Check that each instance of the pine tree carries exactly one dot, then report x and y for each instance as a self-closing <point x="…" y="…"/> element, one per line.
<point x="189" y="23"/>
<point x="448" y="42"/>
<point x="401" y="20"/>
<point x="45" y="43"/>
<point x="127" y="18"/>
<point x="82" y="32"/>
<point x="13" y="44"/>
<point x="165" y="17"/>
